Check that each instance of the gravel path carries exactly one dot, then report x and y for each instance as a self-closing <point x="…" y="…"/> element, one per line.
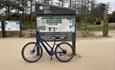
<point x="97" y="54"/>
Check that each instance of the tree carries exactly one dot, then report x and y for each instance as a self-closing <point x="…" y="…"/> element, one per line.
<point x="112" y="17"/>
<point x="6" y="4"/>
<point x="61" y="3"/>
<point x="101" y="12"/>
<point x="105" y="24"/>
<point x="99" y="9"/>
<point x="1" y="4"/>
<point x="84" y="12"/>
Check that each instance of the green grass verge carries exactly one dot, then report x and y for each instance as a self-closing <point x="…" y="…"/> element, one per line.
<point x="98" y="27"/>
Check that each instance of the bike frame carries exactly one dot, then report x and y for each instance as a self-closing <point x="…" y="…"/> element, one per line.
<point x="42" y="42"/>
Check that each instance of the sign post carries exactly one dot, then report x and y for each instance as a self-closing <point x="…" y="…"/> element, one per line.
<point x="2" y="29"/>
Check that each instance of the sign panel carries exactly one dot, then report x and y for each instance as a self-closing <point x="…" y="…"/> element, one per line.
<point x="12" y="26"/>
<point x="61" y="26"/>
<point x="0" y="26"/>
<point x="56" y="24"/>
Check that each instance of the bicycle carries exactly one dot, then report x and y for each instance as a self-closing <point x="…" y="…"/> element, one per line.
<point x="63" y="51"/>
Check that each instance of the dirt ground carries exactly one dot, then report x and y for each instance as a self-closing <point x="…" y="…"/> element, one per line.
<point x="97" y="54"/>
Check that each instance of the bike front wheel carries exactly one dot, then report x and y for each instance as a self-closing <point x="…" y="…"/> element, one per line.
<point x="64" y="52"/>
<point x="32" y="52"/>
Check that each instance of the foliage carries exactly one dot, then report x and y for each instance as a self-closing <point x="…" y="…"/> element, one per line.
<point x="98" y="11"/>
<point x="112" y="17"/>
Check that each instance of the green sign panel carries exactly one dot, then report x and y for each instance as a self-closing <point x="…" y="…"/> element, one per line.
<point x="54" y="21"/>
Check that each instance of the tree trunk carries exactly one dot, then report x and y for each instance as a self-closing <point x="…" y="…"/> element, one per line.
<point x="31" y="11"/>
<point x="105" y="25"/>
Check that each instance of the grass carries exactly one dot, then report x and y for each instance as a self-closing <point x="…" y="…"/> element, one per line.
<point x="90" y="32"/>
<point x="83" y="33"/>
<point x="98" y="27"/>
<point x="29" y="26"/>
<point x="91" y="29"/>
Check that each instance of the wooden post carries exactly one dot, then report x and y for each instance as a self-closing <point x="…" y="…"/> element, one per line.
<point x="105" y="24"/>
<point x="3" y="29"/>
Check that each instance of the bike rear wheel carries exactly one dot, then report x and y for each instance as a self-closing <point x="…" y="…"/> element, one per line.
<point x="31" y="52"/>
<point x="64" y="52"/>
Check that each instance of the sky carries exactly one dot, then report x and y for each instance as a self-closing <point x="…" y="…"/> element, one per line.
<point x="111" y="4"/>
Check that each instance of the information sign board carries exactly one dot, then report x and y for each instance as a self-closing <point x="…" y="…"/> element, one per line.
<point x="12" y="26"/>
<point x="56" y="24"/>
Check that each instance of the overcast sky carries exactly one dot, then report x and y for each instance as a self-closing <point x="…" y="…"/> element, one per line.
<point x="111" y="3"/>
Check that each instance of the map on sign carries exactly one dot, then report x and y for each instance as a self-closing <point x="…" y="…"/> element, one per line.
<point x="0" y="26"/>
<point x="56" y="24"/>
<point x="12" y="26"/>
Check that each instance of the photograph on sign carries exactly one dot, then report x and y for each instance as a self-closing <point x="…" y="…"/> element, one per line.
<point x="12" y="26"/>
<point x="56" y="24"/>
<point x="0" y="26"/>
